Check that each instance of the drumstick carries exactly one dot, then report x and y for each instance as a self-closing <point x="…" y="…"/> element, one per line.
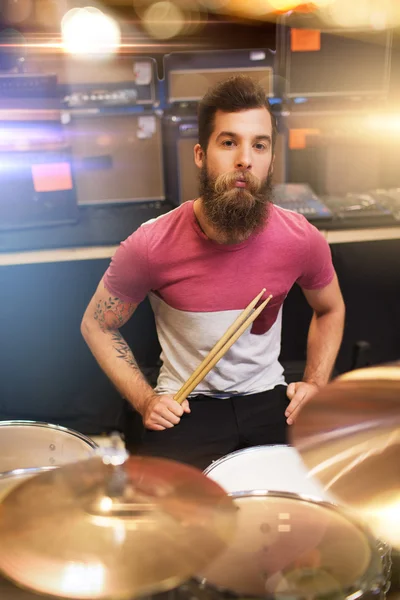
<point x="194" y="381"/>
<point x="238" y="321"/>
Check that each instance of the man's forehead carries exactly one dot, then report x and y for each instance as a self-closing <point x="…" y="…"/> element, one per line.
<point x="255" y="121"/>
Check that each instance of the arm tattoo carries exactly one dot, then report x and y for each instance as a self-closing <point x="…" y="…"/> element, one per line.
<point x="123" y="350"/>
<point x="112" y="313"/>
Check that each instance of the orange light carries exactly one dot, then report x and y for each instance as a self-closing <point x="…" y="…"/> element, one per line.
<point x="285" y="5"/>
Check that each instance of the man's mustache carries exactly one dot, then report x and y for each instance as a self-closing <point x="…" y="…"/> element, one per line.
<point x="226" y="181"/>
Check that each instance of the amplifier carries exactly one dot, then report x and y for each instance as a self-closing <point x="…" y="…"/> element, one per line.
<point x="332" y="151"/>
<point x="189" y="75"/>
<point x="85" y="82"/>
<point x="117" y="156"/>
<point x="36" y="174"/>
<point x="24" y="85"/>
<point x="319" y="60"/>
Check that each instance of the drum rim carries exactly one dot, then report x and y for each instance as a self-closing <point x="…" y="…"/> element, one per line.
<point x="355" y="590"/>
<point x="248" y="450"/>
<point x="28" y="471"/>
<point x="44" y="425"/>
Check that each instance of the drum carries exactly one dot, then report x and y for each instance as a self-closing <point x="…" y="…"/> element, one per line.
<point x="287" y="546"/>
<point x="29" y="447"/>
<point x="27" y="444"/>
<point x="292" y="507"/>
<point x="277" y="468"/>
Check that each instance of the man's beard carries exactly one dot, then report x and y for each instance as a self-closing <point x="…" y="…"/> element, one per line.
<point x="235" y="212"/>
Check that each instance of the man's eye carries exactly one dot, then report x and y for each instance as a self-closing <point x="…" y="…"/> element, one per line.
<point x="228" y="143"/>
<point x="261" y="146"/>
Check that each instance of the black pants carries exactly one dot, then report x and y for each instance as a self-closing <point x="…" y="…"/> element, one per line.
<point x="216" y="427"/>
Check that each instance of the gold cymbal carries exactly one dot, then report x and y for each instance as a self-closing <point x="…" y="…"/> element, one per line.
<point x="349" y="437"/>
<point x="389" y="371"/>
<point x="94" y="530"/>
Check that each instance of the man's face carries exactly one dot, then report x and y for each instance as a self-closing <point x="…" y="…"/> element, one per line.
<point x="236" y="171"/>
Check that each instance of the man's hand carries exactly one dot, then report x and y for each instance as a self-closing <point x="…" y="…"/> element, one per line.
<point x="298" y="393"/>
<point x="163" y="412"/>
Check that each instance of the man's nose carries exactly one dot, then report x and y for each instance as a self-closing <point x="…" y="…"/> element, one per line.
<point x="243" y="159"/>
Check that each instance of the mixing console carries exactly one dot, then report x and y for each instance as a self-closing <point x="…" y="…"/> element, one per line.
<point x="359" y="210"/>
<point x="390" y="199"/>
<point x="300" y="198"/>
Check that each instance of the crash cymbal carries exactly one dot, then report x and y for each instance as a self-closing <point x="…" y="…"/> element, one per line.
<point x="348" y="436"/>
<point x="94" y="530"/>
<point x="389" y="372"/>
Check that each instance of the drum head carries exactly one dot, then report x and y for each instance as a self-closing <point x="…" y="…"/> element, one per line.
<point x="274" y="468"/>
<point x="27" y="444"/>
<point x="288" y="546"/>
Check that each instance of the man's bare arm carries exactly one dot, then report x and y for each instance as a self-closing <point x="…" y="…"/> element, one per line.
<point x="104" y="316"/>
<point x="325" y="332"/>
<point x="324" y="338"/>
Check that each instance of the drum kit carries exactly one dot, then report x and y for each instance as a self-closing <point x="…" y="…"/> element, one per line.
<point x="316" y="520"/>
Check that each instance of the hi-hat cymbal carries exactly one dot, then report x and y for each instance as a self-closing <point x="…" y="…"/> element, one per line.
<point x="349" y="437"/>
<point x="94" y="530"/>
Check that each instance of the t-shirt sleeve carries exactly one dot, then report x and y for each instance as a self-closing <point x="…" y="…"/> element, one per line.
<point x="318" y="269"/>
<point x="128" y="276"/>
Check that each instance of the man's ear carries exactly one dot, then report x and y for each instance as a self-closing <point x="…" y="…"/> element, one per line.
<point x="199" y="156"/>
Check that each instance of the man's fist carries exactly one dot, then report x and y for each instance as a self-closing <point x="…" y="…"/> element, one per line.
<point x="298" y="393"/>
<point x="162" y="412"/>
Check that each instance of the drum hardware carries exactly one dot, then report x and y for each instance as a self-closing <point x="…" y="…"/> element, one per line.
<point x="348" y="435"/>
<point x="113" y="527"/>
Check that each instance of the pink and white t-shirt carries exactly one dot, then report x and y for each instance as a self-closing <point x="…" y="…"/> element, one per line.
<point x="197" y="288"/>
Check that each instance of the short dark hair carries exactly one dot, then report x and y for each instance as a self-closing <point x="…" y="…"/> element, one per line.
<point x="232" y="95"/>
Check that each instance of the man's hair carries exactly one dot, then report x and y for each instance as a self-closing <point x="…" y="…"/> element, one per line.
<point x="232" y="95"/>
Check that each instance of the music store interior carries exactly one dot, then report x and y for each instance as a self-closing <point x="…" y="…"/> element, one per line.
<point x="98" y="120"/>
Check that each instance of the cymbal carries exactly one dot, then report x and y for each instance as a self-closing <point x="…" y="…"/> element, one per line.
<point x="95" y="530"/>
<point x="348" y="435"/>
<point x="389" y="371"/>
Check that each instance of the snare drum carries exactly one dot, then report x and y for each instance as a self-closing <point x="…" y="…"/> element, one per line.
<point x="29" y="447"/>
<point x="275" y="468"/>
<point x="289" y="546"/>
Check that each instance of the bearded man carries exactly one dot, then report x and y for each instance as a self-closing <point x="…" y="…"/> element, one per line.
<point x="201" y="264"/>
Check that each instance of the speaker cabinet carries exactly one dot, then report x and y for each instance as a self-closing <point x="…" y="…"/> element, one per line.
<point x="117" y="157"/>
<point x="334" y="152"/>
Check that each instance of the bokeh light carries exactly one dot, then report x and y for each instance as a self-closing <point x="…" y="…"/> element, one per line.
<point x="48" y="13"/>
<point x="285" y="5"/>
<point x="253" y="9"/>
<point x="164" y="20"/>
<point x="358" y="13"/>
<point x="388" y="124"/>
<point x="16" y="11"/>
<point x="89" y="31"/>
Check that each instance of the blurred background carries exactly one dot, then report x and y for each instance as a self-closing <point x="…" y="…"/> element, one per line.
<point x="98" y="106"/>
